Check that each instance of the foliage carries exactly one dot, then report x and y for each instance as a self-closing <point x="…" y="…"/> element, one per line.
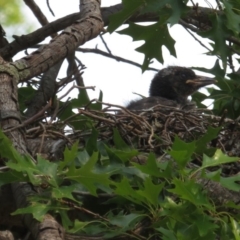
<point x="99" y="187"/>
<point x="13" y="14"/>
<point x="162" y="194"/>
<point x="224" y="25"/>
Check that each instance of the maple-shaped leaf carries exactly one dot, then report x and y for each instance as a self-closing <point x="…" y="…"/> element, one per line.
<point x="125" y="221"/>
<point x="88" y="176"/>
<point x="155" y="36"/>
<point x="218" y="34"/>
<point x="233" y="17"/>
<point x="150" y="167"/>
<point x="173" y="8"/>
<point x="190" y="191"/>
<point x="129" y="8"/>
<point x="38" y="210"/>
<point x="151" y="191"/>
<point x="218" y="158"/>
<point x="12" y="176"/>
<point x="182" y="152"/>
<point x="125" y="190"/>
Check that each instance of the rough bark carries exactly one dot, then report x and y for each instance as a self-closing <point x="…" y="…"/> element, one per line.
<point x="40" y="61"/>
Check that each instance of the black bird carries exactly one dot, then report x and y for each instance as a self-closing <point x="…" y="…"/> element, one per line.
<point x="172" y="86"/>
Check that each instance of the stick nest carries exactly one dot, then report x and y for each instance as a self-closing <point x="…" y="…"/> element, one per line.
<point x="155" y="129"/>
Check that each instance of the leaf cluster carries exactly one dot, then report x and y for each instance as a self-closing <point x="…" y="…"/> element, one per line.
<point x="103" y="189"/>
<point x="220" y="27"/>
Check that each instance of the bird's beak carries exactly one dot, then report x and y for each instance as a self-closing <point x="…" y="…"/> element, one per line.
<point x="201" y="81"/>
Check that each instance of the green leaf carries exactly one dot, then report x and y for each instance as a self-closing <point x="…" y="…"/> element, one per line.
<point x="91" y="145"/>
<point x="120" y="156"/>
<point x="24" y="95"/>
<point x="190" y="191"/>
<point x="128" y="171"/>
<point x="201" y="143"/>
<point x="12" y="176"/>
<point x="218" y="34"/>
<point x="118" y="141"/>
<point x="66" y="111"/>
<point x="113" y="157"/>
<point x="63" y="192"/>
<point x="125" y="190"/>
<point x="80" y="226"/>
<point x="235" y="228"/>
<point x="81" y="122"/>
<point x="49" y="169"/>
<point x="218" y="158"/>
<point x="151" y="191"/>
<point x="167" y="234"/>
<point x="129" y="8"/>
<point x="7" y="150"/>
<point x="181" y="151"/>
<point x="216" y="70"/>
<point x="97" y="106"/>
<point x="150" y="167"/>
<point x="174" y="8"/>
<point x="155" y="36"/>
<point x="231" y="183"/>
<point x="214" y="176"/>
<point x="125" y="222"/>
<point x="25" y="165"/>
<point x="205" y="225"/>
<point x="65" y="220"/>
<point x="87" y="176"/>
<point x="69" y="156"/>
<point x="198" y="97"/>
<point x="125" y="156"/>
<point x="82" y="158"/>
<point x="82" y="99"/>
<point x="233" y="19"/>
<point x="38" y="210"/>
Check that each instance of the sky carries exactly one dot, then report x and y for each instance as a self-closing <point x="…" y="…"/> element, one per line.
<point x="118" y="80"/>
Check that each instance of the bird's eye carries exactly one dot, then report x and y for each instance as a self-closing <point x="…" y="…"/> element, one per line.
<point x="183" y="76"/>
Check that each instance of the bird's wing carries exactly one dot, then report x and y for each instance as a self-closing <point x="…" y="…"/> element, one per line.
<point x="150" y="102"/>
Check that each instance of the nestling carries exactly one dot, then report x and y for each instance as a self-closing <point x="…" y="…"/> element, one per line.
<point x="172" y="86"/>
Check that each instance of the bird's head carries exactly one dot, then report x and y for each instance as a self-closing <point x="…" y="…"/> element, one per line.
<point x="177" y="83"/>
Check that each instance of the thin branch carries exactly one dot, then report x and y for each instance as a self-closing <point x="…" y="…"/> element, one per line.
<point x="75" y="86"/>
<point x="219" y="5"/>
<point x="98" y="51"/>
<point x="187" y="25"/>
<point x="230" y="58"/>
<point x="38" y="13"/>
<point x="50" y="9"/>
<point x="196" y="39"/>
<point x="28" y="40"/>
<point x="105" y="44"/>
<point x="31" y="119"/>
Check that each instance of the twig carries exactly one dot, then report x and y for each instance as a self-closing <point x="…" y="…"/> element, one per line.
<point x="42" y="139"/>
<point x="32" y="119"/>
<point x="75" y="86"/>
<point x="50" y="9"/>
<point x="230" y="60"/>
<point x="97" y="51"/>
<point x="105" y="44"/>
<point x="197" y="40"/>
<point x="219" y="5"/>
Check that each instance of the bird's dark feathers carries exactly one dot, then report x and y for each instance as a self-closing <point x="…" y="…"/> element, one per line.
<point x="171" y="87"/>
<point x="170" y="83"/>
<point x="149" y="102"/>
